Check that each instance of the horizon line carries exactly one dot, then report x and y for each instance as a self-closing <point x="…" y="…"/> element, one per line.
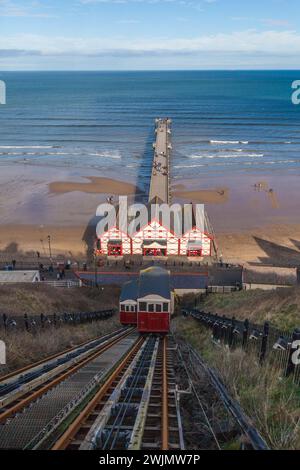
<point x="158" y="70"/>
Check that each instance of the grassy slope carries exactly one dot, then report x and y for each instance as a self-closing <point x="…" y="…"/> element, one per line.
<point x="281" y="307"/>
<point x="24" y="348"/>
<point x="35" y="299"/>
<point x="272" y="402"/>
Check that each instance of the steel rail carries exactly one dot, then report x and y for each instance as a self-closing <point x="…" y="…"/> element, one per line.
<point x="105" y="416"/>
<point x="56" y="380"/>
<point x="165" y="405"/>
<point x="66" y="438"/>
<point x="135" y="442"/>
<point x="119" y="419"/>
<point x="113" y="400"/>
<point x="33" y="365"/>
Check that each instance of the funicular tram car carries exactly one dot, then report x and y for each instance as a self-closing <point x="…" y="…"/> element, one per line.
<point x="155" y="302"/>
<point x="148" y="302"/>
<point x="128" y="303"/>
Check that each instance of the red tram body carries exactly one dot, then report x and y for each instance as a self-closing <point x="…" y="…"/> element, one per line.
<point x="148" y="302"/>
<point x="128" y="303"/>
<point x="128" y="318"/>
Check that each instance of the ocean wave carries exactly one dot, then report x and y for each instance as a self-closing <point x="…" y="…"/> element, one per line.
<point x="245" y="142"/>
<point x="245" y="155"/>
<point x="28" y="146"/>
<point x="106" y="155"/>
<point x="188" y="166"/>
<point x="35" y="154"/>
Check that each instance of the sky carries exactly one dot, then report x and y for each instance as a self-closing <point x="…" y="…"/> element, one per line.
<point x="149" y="34"/>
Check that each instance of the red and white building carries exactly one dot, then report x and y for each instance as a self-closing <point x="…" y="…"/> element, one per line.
<point x="114" y="242"/>
<point x="155" y="238"/>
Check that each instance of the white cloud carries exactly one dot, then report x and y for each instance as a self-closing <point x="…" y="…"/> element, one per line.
<point x="275" y="22"/>
<point x="9" y="8"/>
<point x="266" y="42"/>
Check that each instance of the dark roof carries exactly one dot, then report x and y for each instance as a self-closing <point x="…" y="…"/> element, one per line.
<point x="154" y="280"/>
<point x="115" y="242"/>
<point x="129" y="291"/>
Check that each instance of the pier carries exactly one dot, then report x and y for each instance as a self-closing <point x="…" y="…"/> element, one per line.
<point x="160" y="177"/>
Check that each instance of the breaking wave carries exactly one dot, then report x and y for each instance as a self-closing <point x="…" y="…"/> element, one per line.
<point x="106" y="155"/>
<point x="245" y="142"/>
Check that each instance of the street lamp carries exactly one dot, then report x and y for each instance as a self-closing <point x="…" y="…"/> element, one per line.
<point x="96" y="269"/>
<point x="49" y="243"/>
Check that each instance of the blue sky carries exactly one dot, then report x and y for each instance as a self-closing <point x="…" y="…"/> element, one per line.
<point x="149" y="34"/>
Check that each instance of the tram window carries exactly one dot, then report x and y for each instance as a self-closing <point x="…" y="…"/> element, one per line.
<point x="127" y="308"/>
<point x="122" y="308"/>
<point x="151" y="307"/>
<point x="143" y="307"/>
<point x="165" y="307"/>
<point x="158" y="308"/>
<point x="132" y="308"/>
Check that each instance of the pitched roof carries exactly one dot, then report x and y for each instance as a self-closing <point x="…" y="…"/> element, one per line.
<point x="129" y="291"/>
<point x="154" y="280"/>
<point x="177" y="222"/>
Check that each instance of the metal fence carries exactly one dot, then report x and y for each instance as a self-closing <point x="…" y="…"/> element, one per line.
<point x="281" y="348"/>
<point x="68" y="283"/>
<point x="35" y="323"/>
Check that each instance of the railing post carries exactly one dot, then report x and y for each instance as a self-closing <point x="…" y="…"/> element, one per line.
<point x="264" y="343"/>
<point x="4" y="316"/>
<point x="232" y="327"/>
<point x="54" y="319"/>
<point x="42" y="320"/>
<point x="245" y="333"/>
<point x="26" y="322"/>
<point x="291" y="365"/>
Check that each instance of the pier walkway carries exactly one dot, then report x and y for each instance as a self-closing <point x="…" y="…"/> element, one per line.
<point x="159" y="186"/>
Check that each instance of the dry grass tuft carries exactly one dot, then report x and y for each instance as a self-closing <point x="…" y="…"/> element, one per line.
<point x="272" y="402"/>
<point x="24" y="348"/>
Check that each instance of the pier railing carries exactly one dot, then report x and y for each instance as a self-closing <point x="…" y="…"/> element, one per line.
<point x="277" y="346"/>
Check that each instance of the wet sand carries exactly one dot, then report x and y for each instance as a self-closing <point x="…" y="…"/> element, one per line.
<point x="95" y="185"/>
<point x="256" y="218"/>
<point x="244" y="202"/>
<point x="204" y="196"/>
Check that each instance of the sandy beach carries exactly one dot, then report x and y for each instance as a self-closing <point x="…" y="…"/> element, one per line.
<point x="95" y="185"/>
<point x="255" y="218"/>
<point x="266" y="245"/>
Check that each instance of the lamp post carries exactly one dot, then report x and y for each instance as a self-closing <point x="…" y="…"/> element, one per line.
<point x="96" y="269"/>
<point x="49" y="243"/>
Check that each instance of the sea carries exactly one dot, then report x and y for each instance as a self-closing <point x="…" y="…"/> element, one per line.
<point x="223" y="122"/>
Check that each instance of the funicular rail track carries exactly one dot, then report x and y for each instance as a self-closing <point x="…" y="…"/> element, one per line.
<point x="118" y="394"/>
<point x="134" y="409"/>
<point x="18" y="390"/>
